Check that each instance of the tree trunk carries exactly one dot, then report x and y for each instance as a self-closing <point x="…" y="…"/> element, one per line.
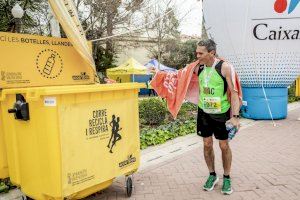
<point x="204" y="33"/>
<point x="109" y="31"/>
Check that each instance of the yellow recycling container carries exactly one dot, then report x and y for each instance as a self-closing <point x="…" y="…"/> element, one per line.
<point x="9" y="162"/>
<point x="73" y="140"/>
<point x="298" y="87"/>
<point x="3" y="159"/>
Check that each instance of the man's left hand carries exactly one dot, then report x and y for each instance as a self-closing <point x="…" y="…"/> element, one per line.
<point x="235" y="122"/>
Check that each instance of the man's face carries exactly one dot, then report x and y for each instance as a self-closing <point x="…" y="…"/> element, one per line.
<point x="203" y="55"/>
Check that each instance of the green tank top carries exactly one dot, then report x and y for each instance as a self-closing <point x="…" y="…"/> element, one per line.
<point x="212" y="98"/>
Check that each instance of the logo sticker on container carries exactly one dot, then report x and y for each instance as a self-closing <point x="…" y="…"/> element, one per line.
<point x="50" y="101"/>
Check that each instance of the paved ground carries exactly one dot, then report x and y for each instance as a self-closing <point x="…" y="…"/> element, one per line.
<point x="266" y="165"/>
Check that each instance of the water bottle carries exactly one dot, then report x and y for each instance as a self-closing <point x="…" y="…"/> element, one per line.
<point x="232" y="130"/>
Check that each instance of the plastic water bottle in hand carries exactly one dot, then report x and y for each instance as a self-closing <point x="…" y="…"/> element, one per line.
<point x="232" y="130"/>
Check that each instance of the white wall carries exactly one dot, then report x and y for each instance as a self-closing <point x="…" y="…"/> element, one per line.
<point x="135" y="49"/>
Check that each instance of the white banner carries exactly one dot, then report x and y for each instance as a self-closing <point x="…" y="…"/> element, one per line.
<point x="66" y="13"/>
<point x="261" y="38"/>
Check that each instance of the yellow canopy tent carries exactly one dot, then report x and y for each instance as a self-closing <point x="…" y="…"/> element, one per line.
<point x="125" y="71"/>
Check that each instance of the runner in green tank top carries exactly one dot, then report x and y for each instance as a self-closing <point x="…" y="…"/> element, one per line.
<point x="214" y="110"/>
<point x="212" y="98"/>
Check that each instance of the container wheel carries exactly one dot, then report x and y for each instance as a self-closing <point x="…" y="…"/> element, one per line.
<point x="129" y="186"/>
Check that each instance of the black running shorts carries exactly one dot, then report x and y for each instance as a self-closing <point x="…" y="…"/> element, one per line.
<point x="212" y="124"/>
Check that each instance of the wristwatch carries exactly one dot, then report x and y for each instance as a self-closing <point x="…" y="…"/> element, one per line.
<point x="236" y="116"/>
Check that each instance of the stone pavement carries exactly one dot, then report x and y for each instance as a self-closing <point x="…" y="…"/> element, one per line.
<point x="266" y="165"/>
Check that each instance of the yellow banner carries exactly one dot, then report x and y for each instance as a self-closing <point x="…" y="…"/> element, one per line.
<point x="29" y="60"/>
<point x="66" y="13"/>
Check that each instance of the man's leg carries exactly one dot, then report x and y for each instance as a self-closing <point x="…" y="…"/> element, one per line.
<point x="110" y="140"/>
<point x="113" y="143"/>
<point x="118" y="137"/>
<point x="209" y="153"/>
<point x="204" y="129"/>
<point x="210" y="162"/>
<point x="226" y="158"/>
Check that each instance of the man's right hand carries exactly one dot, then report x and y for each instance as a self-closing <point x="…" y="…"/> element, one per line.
<point x="153" y="70"/>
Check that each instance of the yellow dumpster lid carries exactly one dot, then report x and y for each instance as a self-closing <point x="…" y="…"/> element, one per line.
<point x="52" y="90"/>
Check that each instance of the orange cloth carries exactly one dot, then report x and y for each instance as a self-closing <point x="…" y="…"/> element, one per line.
<point x="184" y="84"/>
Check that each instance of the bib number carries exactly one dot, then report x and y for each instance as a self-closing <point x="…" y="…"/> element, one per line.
<point x="212" y="105"/>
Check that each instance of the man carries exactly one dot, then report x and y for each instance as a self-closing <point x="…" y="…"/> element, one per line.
<point x="108" y="80"/>
<point x="214" y="110"/>
<point x="150" y="88"/>
<point x="116" y="135"/>
<point x="113" y="129"/>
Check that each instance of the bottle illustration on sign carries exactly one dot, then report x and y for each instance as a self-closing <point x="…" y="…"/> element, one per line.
<point x="49" y="64"/>
<point x="115" y="135"/>
<point x="2" y="75"/>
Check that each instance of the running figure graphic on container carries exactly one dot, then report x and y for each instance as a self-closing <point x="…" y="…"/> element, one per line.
<point x="115" y="136"/>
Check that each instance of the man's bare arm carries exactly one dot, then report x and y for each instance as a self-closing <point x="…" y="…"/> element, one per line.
<point x="235" y="102"/>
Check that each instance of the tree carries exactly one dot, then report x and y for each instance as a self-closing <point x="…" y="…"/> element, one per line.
<point x="103" y="18"/>
<point x="165" y="27"/>
<point x="177" y="54"/>
<point x="28" y="21"/>
<point x="204" y="32"/>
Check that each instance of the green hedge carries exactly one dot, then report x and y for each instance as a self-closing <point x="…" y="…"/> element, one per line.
<point x="187" y="111"/>
<point x="5" y="185"/>
<point x="156" y="129"/>
<point x="152" y="111"/>
<point x="291" y="93"/>
<point x="152" y="136"/>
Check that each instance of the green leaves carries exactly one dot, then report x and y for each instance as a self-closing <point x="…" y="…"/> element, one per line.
<point x="3" y="187"/>
<point x="33" y="10"/>
<point x="152" y="111"/>
<point x="155" y="129"/>
<point x="154" y="136"/>
<point x="292" y="93"/>
<point x="177" y="54"/>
